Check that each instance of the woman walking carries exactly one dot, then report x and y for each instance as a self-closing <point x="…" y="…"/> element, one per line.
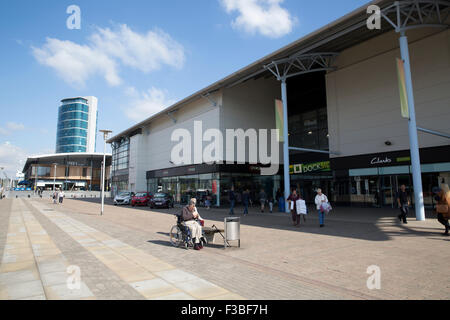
<point x="292" y="202"/>
<point x="443" y="207"/>
<point x="320" y="200"/>
<point x="262" y="199"/>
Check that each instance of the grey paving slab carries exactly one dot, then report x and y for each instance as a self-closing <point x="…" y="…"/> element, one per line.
<point x="21" y="290"/>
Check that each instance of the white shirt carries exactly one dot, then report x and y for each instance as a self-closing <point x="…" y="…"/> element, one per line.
<point x="320" y="199"/>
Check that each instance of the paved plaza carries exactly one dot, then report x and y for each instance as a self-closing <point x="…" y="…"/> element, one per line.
<point x="126" y="254"/>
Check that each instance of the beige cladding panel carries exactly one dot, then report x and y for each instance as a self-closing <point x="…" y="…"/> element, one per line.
<point x="154" y="146"/>
<point x="364" y="103"/>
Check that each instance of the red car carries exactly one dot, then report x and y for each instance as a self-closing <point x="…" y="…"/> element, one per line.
<point x="141" y="199"/>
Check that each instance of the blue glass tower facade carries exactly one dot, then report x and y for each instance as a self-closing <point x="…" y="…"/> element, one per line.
<point x="74" y="125"/>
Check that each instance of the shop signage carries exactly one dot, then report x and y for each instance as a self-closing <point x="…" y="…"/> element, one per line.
<point x="379" y="160"/>
<point x="310" y="167"/>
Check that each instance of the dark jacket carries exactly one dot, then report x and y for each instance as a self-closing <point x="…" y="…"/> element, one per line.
<point x="246" y="197"/>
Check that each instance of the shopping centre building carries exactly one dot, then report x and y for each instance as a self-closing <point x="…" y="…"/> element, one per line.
<point x="67" y="171"/>
<point x="346" y="131"/>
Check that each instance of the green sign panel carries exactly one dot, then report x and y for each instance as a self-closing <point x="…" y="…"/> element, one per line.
<point x="324" y="166"/>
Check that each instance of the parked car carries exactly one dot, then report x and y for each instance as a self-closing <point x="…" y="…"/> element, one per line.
<point x="161" y="200"/>
<point x="123" y="198"/>
<point x="141" y="199"/>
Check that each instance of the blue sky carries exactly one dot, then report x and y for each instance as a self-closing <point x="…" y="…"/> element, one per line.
<point x="136" y="56"/>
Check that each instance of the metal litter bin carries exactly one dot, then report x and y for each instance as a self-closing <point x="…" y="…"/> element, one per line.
<point x="232" y="231"/>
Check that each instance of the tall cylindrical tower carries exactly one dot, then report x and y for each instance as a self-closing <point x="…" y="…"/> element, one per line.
<point x="77" y="125"/>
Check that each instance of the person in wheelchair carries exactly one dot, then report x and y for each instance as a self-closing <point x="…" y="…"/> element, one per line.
<point x="190" y="217"/>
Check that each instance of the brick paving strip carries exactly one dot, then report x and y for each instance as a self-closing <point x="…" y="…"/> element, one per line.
<point x="5" y="211"/>
<point x="32" y="266"/>
<point x="150" y="276"/>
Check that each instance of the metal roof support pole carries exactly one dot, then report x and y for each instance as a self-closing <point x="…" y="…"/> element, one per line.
<point x="287" y="177"/>
<point x="413" y="139"/>
<point x="409" y="15"/>
<point x="291" y="67"/>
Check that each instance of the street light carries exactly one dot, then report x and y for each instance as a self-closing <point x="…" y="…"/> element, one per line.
<point x="54" y="177"/>
<point x="105" y="137"/>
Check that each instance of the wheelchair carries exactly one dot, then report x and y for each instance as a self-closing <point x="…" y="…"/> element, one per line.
<point x="180" y="235"/>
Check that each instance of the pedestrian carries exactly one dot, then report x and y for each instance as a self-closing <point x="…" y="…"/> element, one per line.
<point x="55" y="196"/>
<point x="246" y="200"/>
<point x="403" y="201"/>
<point x="262" y="200"/>
<point x="320" y="200"/>
<point x="292" y="202"/>
<point x="302" y="209"/>
<point x="271" y="204"/>
<point x="208" y="201"/>
<point x="443" y="207"/>
<point x="232" y="198"/>
<point x="280" y="199"/>
<point x="61" y="196"/>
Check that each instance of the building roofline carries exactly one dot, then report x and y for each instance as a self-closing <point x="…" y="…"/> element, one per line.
<point x="55" y="155"/>
<point x="244" y="72"/>
<point x="31" y="159"/>
<point x="73" y="98"/>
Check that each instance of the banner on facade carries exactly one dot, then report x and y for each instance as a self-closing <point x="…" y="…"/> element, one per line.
<point x="402" y="87"/>
<point x="279" y="119"/>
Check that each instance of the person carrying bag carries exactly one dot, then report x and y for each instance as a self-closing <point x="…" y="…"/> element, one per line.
<point x="443" y="208"/>
<point x="302" y="209"/>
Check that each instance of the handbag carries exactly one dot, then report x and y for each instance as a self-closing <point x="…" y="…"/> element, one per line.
<point x="442" y="208"/>
<point x="326" y="207"/>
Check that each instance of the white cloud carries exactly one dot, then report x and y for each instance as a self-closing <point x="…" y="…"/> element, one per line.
<point x="146" y="52"/>
<point x="12" y="158"/>
<point x="146" y="104"/>
<point x="15" y="126"/>
<point x="266" y="17"/>
<point x="11" y="127"/>
<point x="76" y="63"/>
<point x="108" y="49"/>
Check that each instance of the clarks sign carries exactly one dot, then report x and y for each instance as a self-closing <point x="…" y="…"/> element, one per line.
<point x="379" y="160"/>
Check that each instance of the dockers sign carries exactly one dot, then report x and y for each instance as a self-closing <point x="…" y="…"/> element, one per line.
<point x="310" y="167"/>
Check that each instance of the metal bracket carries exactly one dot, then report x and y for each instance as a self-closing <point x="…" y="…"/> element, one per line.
<point x="433" y="132"/>
<point x="301" y="64"/>
<point x="170" y="115"/>
<point x="406" y="15"/>
<point x="207" y="97"/>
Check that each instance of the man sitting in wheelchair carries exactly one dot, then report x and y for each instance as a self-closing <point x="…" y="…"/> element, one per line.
<point x="190" y="217"/>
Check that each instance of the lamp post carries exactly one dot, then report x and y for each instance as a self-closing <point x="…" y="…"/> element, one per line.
<point x="105" y="137"/>
<point x="54" y="177"/>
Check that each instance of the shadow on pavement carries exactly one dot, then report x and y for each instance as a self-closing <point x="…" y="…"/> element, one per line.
<point x="347" y="222"/>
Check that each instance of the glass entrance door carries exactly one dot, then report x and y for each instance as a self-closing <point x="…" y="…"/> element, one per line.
<point x="390" y="186"/>
<point x="387" y="191"/>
